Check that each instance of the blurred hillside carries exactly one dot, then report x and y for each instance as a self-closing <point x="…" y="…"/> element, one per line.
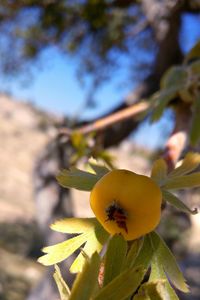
<point x="24" y="132"/>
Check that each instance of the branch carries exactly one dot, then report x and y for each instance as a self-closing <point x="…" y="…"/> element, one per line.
<point x="109" y="120"/>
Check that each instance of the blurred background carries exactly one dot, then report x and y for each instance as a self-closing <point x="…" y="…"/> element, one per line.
<point x="65" y="64"/>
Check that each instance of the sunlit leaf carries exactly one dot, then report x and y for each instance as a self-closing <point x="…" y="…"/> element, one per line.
<point x="151" y="291"/>
<point x="175" y="201"/>
<point x="61" y="251"/>
<point x="163" y="98"/>
<point x="189" y="164"/>
<point x="63" y="289"/>
<point x="78" y="140"/>
<point x="133" y="252"/>
<point x="93" y="236"/>
<point x="157" y="273"/>
<point x="159" y="170"/>
<point x="86" y="281"/>
<point x="195" y="127"/>
<point x="123" y="285"/>
<point x="114" y="259"/>
<point x="75" y="225"/>
<point x="182" y="182"/>
<point x="94" y="244"/>
<point x="167" y="260"/>
<point x="78" y="179"/>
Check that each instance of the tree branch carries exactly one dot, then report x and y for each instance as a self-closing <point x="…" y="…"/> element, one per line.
<point x="109" y="120"/>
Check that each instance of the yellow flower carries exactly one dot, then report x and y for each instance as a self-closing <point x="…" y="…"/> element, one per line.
<point x="126" y="203"/>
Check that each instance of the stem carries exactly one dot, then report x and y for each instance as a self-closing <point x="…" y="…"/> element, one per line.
<point x="108" y="121"/>
<point x="179" y="137"/>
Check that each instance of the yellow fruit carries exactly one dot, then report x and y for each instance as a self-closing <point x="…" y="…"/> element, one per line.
<point x="126" y="203"/>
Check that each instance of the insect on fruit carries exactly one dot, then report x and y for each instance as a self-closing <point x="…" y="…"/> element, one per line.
<point x="126" y="203"/>
<point x="117" y="214"/>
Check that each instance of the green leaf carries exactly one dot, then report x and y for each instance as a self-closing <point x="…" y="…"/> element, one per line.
<point x="99" y="170"/>
<point x="133" y="252"/>
<point x="78" y="179"/>
<point x="193" y="53"/>
<point x="175" y="201"/>
<point x="157" y="273"/>
<point x="189" y="164"/>
<point x="86" y="281"/>
<point x="123" y="285"/>
<point x="107" y="157"/>
<point x="114" y="259"/>
<point x="145" y="254"/>
<point x="182" y="182"/>
<point x="61" y="251"/>
<point x="159" y="171"/>
<point x="94" y="244"/>
<point x="163" y="98"/>
<point x="151" y="291"/>
<point x="75" y="225"/>
<point x="167" y="260"/>
<point x="94" y="237"/>
<point x="174" y="77"/>
<point x="78" y="140"/>
<point x="63" y="289"/>
<point x="195" y="128"/>
<point x="195" y="68"/>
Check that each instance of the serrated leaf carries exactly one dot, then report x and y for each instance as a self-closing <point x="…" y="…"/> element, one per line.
<point x="133" y="252"/>
<point x="94" y="244"/>
<point x="159" y="171"/>
<point x="189" y="164"/>
<point x="86" y="281"/>
<point x="167" y="260"/>
<point x="153" y="290"/>
<point x="63" y="289"/>
<point x="157" y="273"/>
<point x="75" y="225"/>
<point x="182" y="182"/>
<point x="123" y="285"/>
<point x="175" y="201"/>
<point x="163" y="98"/>
<point x="195" y="127"/>
<point x="114" y="259"/>
<point x="59" y="252"/>
<point x="94" y="235"/>
<point x="78" y="179"/>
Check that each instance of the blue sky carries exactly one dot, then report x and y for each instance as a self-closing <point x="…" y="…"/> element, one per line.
<point x="56" y="88"/>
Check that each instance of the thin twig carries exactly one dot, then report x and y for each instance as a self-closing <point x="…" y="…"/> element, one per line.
<point x="110" y="120"/>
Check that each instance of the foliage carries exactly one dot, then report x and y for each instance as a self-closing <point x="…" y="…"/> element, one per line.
<point x="70" y="25"/>
<point x="182" y="83"/>
<point x="119" y="272"/>
<point x="86" y="147"/>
